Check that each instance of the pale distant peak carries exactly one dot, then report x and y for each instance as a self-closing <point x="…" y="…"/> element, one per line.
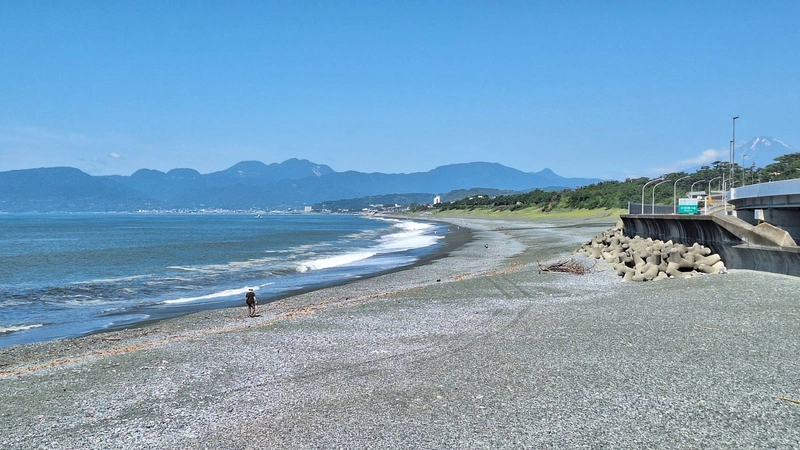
<point x="767" y="142"/>
<point x="783" y="144"/>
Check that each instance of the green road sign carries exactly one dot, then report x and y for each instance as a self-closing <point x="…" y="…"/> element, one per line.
<point x="687" y="206"/>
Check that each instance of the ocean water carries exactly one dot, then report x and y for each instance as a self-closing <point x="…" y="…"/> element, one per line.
<point x="66" y="275"/>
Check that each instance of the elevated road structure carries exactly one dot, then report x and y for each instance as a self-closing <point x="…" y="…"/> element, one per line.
<point x="758" y="230"/>
<point x="777" y="203"/>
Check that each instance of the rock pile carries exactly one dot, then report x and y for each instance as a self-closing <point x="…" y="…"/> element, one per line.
<point x="638" y="259"/>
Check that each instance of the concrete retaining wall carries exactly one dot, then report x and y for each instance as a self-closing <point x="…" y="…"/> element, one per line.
<point x="740" y="245"/>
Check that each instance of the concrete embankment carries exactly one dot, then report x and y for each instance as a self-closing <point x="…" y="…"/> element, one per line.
<point x="740" y="244"/>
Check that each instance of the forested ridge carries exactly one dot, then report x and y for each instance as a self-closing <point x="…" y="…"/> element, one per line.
<point x="617" y="194"/>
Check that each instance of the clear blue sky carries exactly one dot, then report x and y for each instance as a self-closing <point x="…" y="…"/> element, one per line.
<point x="586" y="88"/>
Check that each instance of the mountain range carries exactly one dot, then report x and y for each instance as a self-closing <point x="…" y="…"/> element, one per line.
<point x="249" y="185"/>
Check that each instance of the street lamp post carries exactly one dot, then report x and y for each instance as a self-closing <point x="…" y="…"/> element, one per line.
<point x="691" y="189"/>
<point x="724" y="193"/>
<point x="645" y="185"/>
<point x="744" y="155"/>
<point x="733" y="150"/>
<point x="709" y="191"/>
<point x="730" y="163"/>
<point x="653" y="204"/>
<point x="675" y="194"/>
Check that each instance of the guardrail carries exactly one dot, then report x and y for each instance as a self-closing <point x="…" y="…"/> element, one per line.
<point x="773" y="188"/>
<point x="649" y="208"/>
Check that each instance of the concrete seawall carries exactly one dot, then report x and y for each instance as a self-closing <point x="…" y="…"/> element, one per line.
<point x="741" y="245"/>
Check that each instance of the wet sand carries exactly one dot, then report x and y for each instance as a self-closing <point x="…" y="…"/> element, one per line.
<point x="475" y="350"/>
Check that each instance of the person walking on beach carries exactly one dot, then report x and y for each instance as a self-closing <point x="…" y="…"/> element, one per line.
<point x="252" y="303"/>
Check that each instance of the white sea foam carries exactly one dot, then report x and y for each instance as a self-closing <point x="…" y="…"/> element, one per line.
<point x="233" y="266"/>
<point x="190" y="269"/>
<point x="78" y="301"/>
<point x="334" y="261"/>
<point x="405" y="241"/>
<point x="366" y="234"/>
<point x="111" y="280"/>
<point x="411" y="235"/>
<point x="128" y="318"/>
<point x="10" y="303"/>
<point x="220" y="294"/>
<point x="414" y="225"/>
<point x="385" y="219"/>
<point x="225" y="293"/>
<point x="14" y="328"/>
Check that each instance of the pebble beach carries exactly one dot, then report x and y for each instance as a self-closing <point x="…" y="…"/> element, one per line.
<point x="476" y="349"/>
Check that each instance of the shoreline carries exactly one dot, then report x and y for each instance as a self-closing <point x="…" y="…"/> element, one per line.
<point x="96" y="341"/>
<point x="493" y="354"/>
<point x="451" y="240"/>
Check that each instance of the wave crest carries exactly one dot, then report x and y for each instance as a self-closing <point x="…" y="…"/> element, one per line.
<point x="15" y="328"/>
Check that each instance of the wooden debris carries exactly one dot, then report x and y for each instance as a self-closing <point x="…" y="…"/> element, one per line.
<point x="571" y="266"/>
<point x="787" y="399"/>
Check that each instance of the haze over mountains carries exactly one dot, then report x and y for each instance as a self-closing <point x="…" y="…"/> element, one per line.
<point x="249" y="185"/>
<point x="292" y="184"/>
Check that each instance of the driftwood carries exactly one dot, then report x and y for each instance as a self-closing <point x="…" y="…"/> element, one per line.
<point x="787" y="399"/>
<point x="571" y="266"/>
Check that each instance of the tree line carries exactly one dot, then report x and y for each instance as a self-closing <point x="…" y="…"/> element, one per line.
<point x="617" y="194"/>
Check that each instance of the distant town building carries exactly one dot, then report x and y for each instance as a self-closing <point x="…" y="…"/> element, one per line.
<point x="437" y="199"/>
<point x="308" y="209"/>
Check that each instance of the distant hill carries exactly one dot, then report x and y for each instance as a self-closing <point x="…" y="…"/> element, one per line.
<point x="459" y="194"/>
<point x="66" y="189"/>
<point x="247" y="185"/>
<point x="388" y="200"/>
